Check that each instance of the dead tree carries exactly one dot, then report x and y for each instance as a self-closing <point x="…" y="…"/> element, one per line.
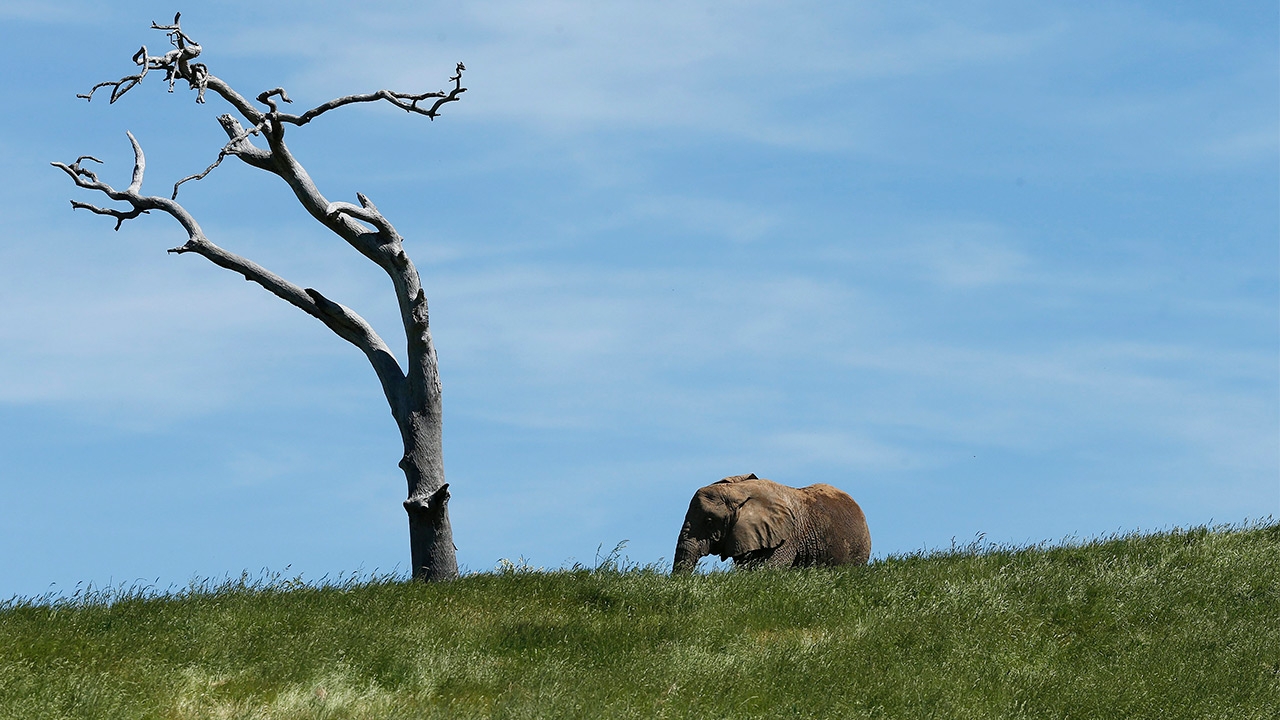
<point x="412" y="391"/>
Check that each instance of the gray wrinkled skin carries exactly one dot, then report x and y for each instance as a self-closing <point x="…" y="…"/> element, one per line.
<point x="760" y="523"/>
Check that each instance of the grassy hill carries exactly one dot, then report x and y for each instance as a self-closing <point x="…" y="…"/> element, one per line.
<point x="1184" y="624"/>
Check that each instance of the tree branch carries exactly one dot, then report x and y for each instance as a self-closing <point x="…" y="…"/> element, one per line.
<point x="343" y="321"/>
<point x="367" y="212"/>
<point x="383" y="245"/>
<point x="139" y="165"/>
<point x="384" y="248"/>
<point x="140" y="204"/>
<point x="406" y="101"/>
<point x="236" y="146"/>
<point x="177" y="65"/>
<point x="119" y="215"/>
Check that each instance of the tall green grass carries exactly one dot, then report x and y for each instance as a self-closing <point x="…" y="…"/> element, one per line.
<point x="1183" y="624"/>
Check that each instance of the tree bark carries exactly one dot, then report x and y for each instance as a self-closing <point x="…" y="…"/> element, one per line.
<point x="413" y="391"/>
<point x="431" y="549"/>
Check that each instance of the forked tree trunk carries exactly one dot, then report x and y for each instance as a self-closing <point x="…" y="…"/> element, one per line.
<point x="412" y="391"/>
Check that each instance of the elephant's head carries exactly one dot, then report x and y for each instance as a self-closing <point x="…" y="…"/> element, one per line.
<point x="738" y="517"/>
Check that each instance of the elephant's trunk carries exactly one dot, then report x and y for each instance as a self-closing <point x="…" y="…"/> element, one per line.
<point x="689" y="550"/>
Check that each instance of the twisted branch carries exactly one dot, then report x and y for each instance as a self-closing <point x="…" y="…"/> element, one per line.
<point x="239" y="136"/>
<point x="175" y="63"/>
<point x="406" y="101"/>
<point x="343" y="321"/>
<point x="88" y="179"/>
<point x="383" y="245"/>
<point x="367" y="212"/>
<point x="119" y="215"/>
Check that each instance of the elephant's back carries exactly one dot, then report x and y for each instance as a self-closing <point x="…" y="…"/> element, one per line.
<point x="846" y="521"/>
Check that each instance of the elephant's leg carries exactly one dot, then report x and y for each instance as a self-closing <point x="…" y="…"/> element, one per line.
<point x="783" y="556"/>
<point x="752" y="559"/>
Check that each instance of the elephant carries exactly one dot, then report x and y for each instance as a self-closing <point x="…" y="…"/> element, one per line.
<point x="760" y="523"/>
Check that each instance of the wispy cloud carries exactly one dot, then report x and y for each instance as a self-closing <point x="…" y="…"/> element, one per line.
<point x="569" y="67"/>
<point x="668" y="242"/>
<point x="599" y="341"/>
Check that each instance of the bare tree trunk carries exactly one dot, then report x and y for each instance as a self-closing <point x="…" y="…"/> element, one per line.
<point x="431" y="547"/>
<point x="412" y="391"/>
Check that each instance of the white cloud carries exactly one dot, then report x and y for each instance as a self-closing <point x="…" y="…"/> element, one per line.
<point x="579" y="346"/>
<point x="575" y="317"/>
<point x="747" y="349"/>
<point x="569" y="67"/>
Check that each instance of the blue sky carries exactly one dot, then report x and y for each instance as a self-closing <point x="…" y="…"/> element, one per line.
<point x="990" y="267"/>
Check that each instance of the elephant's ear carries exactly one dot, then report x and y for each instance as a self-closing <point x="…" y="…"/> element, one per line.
<point x="763" y="522"/>
<point x="737" y="478"/>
